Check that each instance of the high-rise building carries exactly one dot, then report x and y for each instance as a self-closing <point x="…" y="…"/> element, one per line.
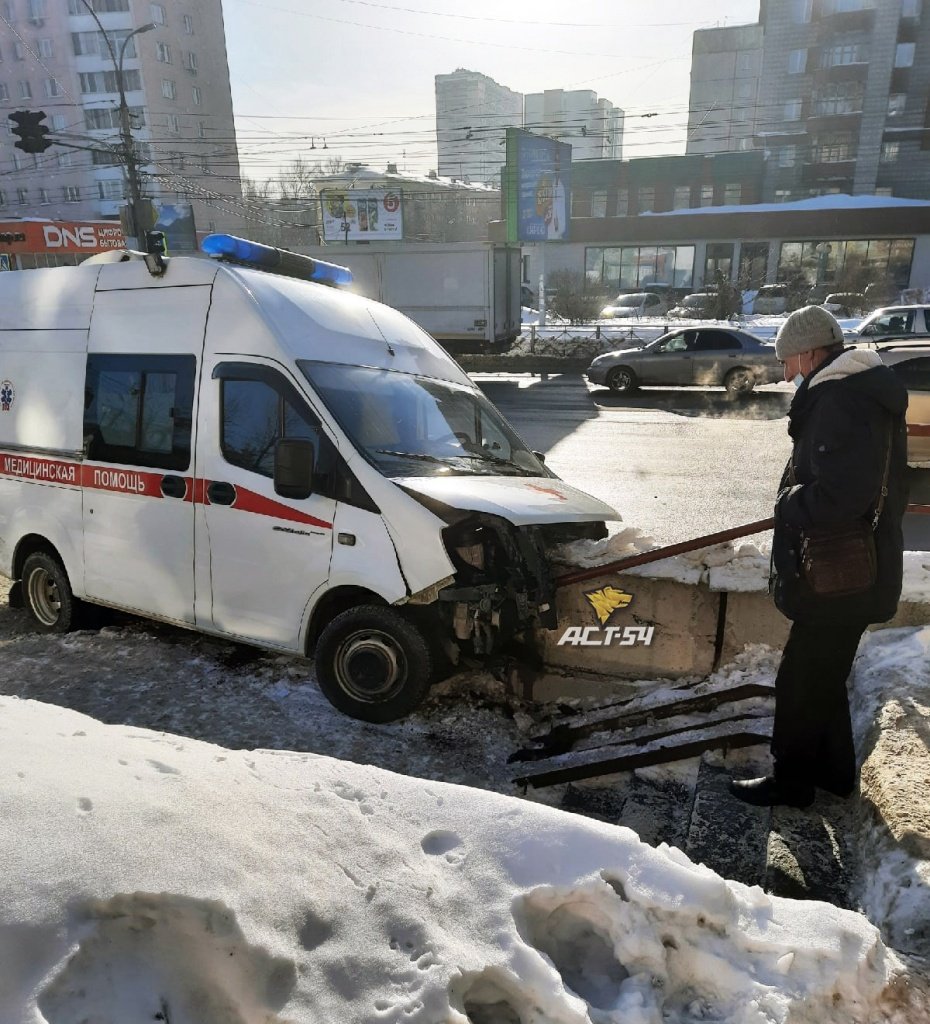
<point x="472" y="115"/>
<point x="593" y="127"/>
<point x="726" y="65"/>
<point x="842" y="98"/>
<point x="176" y="81"/>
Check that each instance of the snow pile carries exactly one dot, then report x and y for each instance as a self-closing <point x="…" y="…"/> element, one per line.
<point x="890" y="688"/>
<point x="740" y="568"/>
<point x="148" y="877"/>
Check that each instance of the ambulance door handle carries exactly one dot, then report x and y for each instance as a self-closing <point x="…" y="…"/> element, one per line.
<point x="173" y="486"/>
<point x="221" y="493"/>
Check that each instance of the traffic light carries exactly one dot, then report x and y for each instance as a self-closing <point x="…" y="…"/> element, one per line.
<point x="30" y="130"/>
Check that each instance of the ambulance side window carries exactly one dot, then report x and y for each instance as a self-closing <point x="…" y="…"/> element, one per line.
<point x="255" y="414"/>
<point x="138" y="410"/>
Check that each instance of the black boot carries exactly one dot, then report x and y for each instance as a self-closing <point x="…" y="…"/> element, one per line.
<point x="772" y="792"/>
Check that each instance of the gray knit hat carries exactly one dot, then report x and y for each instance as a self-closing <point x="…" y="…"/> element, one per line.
<point x="805" y="329"/>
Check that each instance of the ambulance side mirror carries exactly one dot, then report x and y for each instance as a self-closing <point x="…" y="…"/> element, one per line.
<point x="293" y="467"/>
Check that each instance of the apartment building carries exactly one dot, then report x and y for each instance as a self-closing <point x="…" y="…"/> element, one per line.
<point x="726" y="67"/>
<point x="592" y="126"/>
<point x="841" y="102"/>
<point x="473" y="113"/>
<point x="53" y="57"/>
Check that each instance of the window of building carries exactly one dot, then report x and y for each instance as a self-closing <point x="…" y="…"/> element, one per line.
<point x="104" y="158"/>
<point x="188" y="25"/>
<point x="99" y="6"/>
<point x="110" y="188"/>
<point x="645" y="199"/>
<point x="163" y="53"/>
<point x="202" y="130"/>
<point x="787" y="156"/>
<point x="25" y="90"/>
<point x="889" y="152"/>
<point x="842" y="53"/>
<point x="681" y="198"/>
<point x="84" y="43"/>
<point x="833" y="147"/>
<point x="782" y="195"/>
<point x="801" y="11"/>
<point x="140" y="409"/>
<point x="598" y="202"/>
<point x="255" y="414"/>
<point x="707" y="195"/>
<point x="884" y="190"/>
<point x="732" y="194"/>
<point x="6" y="10"/>
<point x="190" y="61"/>
<point x="19" y="50"/>
<point x="896" y="103"/>
<point x="22" y="196"/>
<point x="623" y="202"/>
<point x="4" y="91"/>
<point x="797" y="62"/>
<point x="904" y="55"/>
<point x="157" y="13"/>
<point x="168" y="89"/>
<point x="197" y="96"/>
<point x="38" y="10"/>
<point x="108" y="117"/>
<point x="43" y="196"/>
<point x="630" y="267"/>
<point x="65" y="158"/>
<point x="910" y="8"/>
<point x="71" y="193"/>
<point x="746" y="62"/>
<point x="827" y="260"/>
<point x="46" y="48"/>
<point x="838" y="98"/>
<point x="174" y="123"/>
<point x="793" y="110"/>
<point x="2" y="197"/>
<point x="106" y="81"/>
<point x="52" y="87"/>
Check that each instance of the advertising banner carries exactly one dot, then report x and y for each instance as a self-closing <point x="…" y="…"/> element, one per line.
<point x="537" y="179"/>
<point x="84" y="237"/>
<point x="354" y="215"/>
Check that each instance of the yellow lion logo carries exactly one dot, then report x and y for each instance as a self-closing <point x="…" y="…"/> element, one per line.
<point x="606" y="601"/>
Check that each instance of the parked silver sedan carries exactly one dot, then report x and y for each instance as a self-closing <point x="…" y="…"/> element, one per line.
<point x="705" y="356"/>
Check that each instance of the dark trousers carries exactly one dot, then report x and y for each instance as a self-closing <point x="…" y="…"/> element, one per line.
<point x="812" y="740"/>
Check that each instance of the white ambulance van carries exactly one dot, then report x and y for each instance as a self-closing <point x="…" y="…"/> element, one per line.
<point x="227" y="445"/>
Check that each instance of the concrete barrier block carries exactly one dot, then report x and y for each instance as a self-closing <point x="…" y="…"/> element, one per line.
<point x="751" y="618"/>
<point x="683" y="617"/>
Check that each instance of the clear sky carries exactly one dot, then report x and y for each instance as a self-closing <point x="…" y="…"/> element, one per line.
<point x="358" y="74"/>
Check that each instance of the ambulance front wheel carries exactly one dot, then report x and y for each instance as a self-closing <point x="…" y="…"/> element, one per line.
<point x="373" y="664"/>
<point x="47" y="594"/>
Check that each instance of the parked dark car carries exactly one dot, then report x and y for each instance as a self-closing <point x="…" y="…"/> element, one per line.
<point x="705" y="356"/>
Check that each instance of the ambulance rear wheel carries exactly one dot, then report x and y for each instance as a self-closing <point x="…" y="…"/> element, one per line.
<point x="373" y="664"/>
<point x="47" y="594"/>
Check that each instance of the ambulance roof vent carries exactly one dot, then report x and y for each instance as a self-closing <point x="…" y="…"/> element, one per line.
<point x="279" y="261"/>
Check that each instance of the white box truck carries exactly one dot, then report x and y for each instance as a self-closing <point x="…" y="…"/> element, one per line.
<point x="466" y="295"/>
<point x="261" y="457"/>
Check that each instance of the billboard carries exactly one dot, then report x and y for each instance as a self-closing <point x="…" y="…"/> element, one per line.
<point x="83" y="237"/>
<point x="537" y="181"/>
<point x="355" y="216"/>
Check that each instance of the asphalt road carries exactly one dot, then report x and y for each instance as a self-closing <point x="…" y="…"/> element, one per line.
<point x="676" y="462"/>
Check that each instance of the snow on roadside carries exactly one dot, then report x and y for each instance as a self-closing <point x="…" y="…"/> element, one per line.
<point x="734" y="567"/>
<point x="152" y="877"/>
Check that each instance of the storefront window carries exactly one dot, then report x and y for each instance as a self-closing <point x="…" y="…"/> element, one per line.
<point x="853" y="264"/>
<point x="632" y="266"/>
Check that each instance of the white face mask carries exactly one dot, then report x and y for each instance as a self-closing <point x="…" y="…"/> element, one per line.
<point x="797" y="380"/>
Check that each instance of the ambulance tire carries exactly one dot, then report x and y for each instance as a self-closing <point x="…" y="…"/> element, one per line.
<point x="47" y="595"/>
<point x="373" y="664"/>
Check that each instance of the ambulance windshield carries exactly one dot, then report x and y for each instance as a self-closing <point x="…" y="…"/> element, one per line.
<point x="408" y="425"/>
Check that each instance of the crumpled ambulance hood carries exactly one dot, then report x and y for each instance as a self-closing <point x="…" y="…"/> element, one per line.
<point x="522" y="501"/>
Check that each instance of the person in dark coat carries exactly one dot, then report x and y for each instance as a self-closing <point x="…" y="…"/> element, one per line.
<point x="846" y="422"/>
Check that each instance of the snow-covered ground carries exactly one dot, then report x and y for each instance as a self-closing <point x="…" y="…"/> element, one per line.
<point x="148" y="872"/>
<point x="150" y="877"/>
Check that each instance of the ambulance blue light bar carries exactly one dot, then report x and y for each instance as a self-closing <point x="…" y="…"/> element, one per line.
<point x="278" y="261"/>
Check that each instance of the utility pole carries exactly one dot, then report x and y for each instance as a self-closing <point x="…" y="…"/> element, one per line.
<point x="127" y="143"/>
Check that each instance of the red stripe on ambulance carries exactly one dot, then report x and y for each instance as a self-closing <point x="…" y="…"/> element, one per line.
<point x="49" y="470"/>
<point x="249" y="501"/>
